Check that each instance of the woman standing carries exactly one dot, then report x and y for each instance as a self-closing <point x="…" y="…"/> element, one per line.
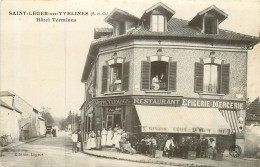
<point x="88" y="140"/>
<point x="115" y="135"/>
<point x="98" y="140"/>
<point x="109" y="137"/>
<point x="93" y="140"/>
<point x="104" y="137"/>
<point x="118" y="138"/>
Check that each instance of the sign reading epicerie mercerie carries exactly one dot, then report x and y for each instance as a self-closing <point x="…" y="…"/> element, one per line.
<point x="174" y="101"/>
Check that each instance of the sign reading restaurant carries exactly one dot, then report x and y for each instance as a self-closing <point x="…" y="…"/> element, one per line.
<point x="171" y="101"/>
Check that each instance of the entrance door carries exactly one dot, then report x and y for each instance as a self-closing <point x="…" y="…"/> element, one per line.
<point x="117" y="120"/>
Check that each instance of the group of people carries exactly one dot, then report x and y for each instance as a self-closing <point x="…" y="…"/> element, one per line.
<point x="77" y="144"/>
<point x="203" y="147"/>
<point x="117" y="138"/>
<point x="148" y="146"/>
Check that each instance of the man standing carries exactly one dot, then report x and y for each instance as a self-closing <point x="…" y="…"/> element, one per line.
<point x="80" y="148"/>
<point x="74" y="138"/>
<point x="169" y="145"/>
<point x="153" y="146"/>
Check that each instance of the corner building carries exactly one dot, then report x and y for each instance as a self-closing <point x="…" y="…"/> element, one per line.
<point x="164" y="75"/>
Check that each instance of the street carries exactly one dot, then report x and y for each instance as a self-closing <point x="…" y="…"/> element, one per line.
<point x="56" y="152"/>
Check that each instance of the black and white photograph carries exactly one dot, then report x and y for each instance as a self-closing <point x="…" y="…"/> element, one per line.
<point x="123" y="83"/>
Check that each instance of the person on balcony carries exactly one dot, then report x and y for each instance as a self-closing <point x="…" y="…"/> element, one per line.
<point x="155" y="83"/>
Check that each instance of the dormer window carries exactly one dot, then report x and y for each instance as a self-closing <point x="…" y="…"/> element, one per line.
<point x="208" y="20"/>
<point x="158" y="23"/>
<point x="210" y="24"/>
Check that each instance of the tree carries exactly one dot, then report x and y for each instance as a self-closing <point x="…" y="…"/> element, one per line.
<point x="45" y="111"/>
<point x="63" y="124"/>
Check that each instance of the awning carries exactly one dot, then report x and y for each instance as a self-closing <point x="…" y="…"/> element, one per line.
<point x="231" y="118"/>
<point x="167" y="119"/>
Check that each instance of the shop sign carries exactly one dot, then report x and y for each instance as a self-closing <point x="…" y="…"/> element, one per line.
<point x="174" y="101"/>
<point x="210" y="103"/>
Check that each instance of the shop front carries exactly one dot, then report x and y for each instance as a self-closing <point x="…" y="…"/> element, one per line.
<point x="180" y="117"/>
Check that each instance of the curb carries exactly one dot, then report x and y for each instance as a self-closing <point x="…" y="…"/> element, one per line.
<point x="19" y="144"/>
<point x="149" y="161"/>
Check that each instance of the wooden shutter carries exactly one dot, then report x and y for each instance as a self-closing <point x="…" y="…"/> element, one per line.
<point x="199" y="70"/>
<point x="104" y="79"/>
<point x="172" y="74"/>
<point x="225" y="68"/>
<point x="125" y="82"/>
<point x="145" y="75"/>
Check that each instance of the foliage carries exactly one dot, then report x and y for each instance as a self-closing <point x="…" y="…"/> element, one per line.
<point x="192" y="143"/>
<point x="45" y="111"/>
<point x="63" y="124"/>
<point x="161" y="139"/>
<point x="71" y="118"/>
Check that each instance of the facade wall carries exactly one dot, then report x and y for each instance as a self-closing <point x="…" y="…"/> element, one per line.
<point x="10" y="121"/>
<point x="186" y="58"/>
<point x="42" y="127"/>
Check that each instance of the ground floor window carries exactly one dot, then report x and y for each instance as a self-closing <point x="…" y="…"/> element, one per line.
<point x="114" y="116"/>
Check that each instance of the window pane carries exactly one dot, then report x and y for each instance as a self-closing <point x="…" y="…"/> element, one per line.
<point x="159" y="79"/>
<point x="154" y="22"/>
<point x="160" y="23"/>
<point x="211" y="79"/>
<point x="115" y="77"/>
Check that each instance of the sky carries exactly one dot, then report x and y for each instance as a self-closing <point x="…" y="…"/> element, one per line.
<point x="43" y="61"/>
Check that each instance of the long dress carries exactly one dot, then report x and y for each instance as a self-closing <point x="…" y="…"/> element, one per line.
<point x="118" y="138"/>
<point x="93" y="141"/>
<point x="115" y="137"/>
<point x="109" y="138"/>
<point x="98" y="141"/>
<point x="88" y="142"/>
<point x="104" y="138"/>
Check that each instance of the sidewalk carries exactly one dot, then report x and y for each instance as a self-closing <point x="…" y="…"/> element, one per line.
<point x="227" y="161"/>
<point x="15" y="144"/>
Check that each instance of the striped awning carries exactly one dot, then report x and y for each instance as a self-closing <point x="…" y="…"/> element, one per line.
<point x="231" y="118"/>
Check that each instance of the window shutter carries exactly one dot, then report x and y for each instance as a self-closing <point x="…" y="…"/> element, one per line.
<point x="145" y="75"/>
<point x="172" y="74"/>
<point x="104" y="79"/>
<point x="225" y="68"/>
<point x="199" y="70"/>
<point x="125" y="82"/>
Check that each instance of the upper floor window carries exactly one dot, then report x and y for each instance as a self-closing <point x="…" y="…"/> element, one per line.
<point x="159" y="74"/>
<point x="211" y="26"/>
<point x="115" y="75"/>
<point x="158" y="23"/>
<point x="212" y="76"/>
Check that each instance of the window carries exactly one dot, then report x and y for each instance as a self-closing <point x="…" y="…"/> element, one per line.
<point x="115" y="77"/>
<point x="210" y="25"/>
<point x="158" y="76"/>
<point x="211" y="78"/>
<point x="158" y="23"/>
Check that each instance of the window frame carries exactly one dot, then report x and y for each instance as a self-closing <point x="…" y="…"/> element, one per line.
<point x="216" y="22"/>
<point x="210" y="74"/>
<point x="157" y="28"/>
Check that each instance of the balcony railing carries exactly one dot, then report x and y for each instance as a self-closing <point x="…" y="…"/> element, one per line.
<point x="115" y="87"/>
<point x="211" y="88"/>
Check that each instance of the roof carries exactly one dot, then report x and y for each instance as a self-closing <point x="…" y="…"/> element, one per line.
<point x="252" y="117"/>
<point x="118" y="14"/>
<point x="177" y="29"/>
<point x="160" y="5"/>
<point x="6" y="93"/>
<point x="99" y="32"/>
<point x="254" y="107"/>
<point x="4" y="104"/>
<point x="213" y="10"/>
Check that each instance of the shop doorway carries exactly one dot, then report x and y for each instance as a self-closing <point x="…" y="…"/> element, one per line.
<point x="117" y="120"/>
